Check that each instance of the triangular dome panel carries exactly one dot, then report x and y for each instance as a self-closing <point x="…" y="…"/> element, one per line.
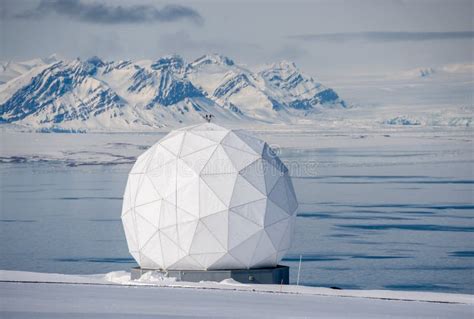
<point x="218" y="225"/>
<point x="174" y="143"/>
<point x="227" y="262"/>
<point x="171" y="232"/>
<point x="168" y="214"/>
<point x="205" y="242"/>
<point x="285" y="242"/>
<point x="193" y="143"/>
<point x="187" y="263"/>
<point x="150" y="212"/>
<point x="146" y="192"/>
<point x="208" y="258"/>
<point x="240" y="229"/>
<point x="219" y="163"/>
<point x="236" y="142"/>
<point x="254" y="211"/>
<point x="147" y="230"/>
<point x="264" y="252"/>
<point x="241" y="251"/>
<point x="278" y="194"/>
<point x="183" y="216"/>
<point x="161" y="156"/>
<point x="254" y="174"/>
<point x="186" y="232"/>
<point x="170" y="250"/>
<point x="215" y="136"/>
<point x="222" y="185"/>
<point x="153" y="252"/>
<point x="291" y="196"/>
<point x="187" y="197"/>
<point x="197" y="160"/>
<point x="244" y="192"/>
<point x="240" y="159"/>
<point x="274" y="213"/>
<point x="270" y="156"/>
<point x="209" y="202"/>
<point x="256" y="144"/>
<point x="276" y="232"/>
<point x="269" y="261"/>
<point x="164" y="178"/>
<point x="184" y="174"/>
<point x="271" y="174"/>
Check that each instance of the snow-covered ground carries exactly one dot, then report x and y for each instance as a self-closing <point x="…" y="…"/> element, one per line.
<point x="113" y="295"/>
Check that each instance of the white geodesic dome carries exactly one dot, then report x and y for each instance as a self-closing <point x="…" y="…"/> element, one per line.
<point x="205" y="197"/>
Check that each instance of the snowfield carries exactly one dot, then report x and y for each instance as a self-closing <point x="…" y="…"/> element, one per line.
<point x="302" y="140"/>
<point x="113" y="295"/>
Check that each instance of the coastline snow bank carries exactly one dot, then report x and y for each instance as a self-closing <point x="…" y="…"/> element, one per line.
<point x="122" y="278"/>
<point x="36" y="295"/>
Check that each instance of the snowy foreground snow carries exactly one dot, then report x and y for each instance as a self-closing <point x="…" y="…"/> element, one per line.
<point x="113" y="295"/>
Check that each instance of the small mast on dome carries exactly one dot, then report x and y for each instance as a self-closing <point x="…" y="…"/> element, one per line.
<point x="208" y="117"/>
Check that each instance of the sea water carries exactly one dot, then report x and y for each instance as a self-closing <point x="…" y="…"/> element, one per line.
<point x="367" y="219"/>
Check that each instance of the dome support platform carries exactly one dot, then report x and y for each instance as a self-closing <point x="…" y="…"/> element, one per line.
<point x="272" y="275"/>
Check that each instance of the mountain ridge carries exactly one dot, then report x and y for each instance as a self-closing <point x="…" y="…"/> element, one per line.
<point x="94" y="94"/>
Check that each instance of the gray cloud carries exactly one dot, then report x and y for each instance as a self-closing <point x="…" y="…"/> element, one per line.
<point x="183" y="42"/>
<point x="384" y="36"/>
<point x="100" y="13"/>
<point x="291" y="52"/>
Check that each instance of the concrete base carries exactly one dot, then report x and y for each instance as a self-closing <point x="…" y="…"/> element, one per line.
<point x="274" y="275"/>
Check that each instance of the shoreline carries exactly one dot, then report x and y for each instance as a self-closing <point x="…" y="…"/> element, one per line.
<point x="60" y="296"/>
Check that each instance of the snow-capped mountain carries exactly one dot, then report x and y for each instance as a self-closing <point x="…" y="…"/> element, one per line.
<point x="10" y="70"/>
<point x="94" y="94"/>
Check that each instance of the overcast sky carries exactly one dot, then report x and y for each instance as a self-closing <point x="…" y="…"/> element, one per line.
<point x="325" y="38"/>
